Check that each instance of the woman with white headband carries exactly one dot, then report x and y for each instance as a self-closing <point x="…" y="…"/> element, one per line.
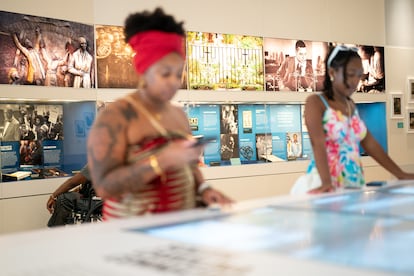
<point x="336" y="130"/>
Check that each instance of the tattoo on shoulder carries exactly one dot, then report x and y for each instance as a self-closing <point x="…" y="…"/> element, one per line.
<point x="129" y="112"/>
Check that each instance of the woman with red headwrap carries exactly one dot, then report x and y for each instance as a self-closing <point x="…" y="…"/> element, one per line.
<point x="141" y="154"/>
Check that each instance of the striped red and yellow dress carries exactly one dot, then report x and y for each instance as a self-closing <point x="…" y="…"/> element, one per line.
<point x="174" y="191"/>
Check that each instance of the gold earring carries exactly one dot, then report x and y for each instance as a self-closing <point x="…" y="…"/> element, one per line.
<point x="141" y="84"/>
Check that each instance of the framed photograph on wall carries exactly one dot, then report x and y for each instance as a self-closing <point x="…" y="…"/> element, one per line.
<point x="410" y="89"/>
<point x="396" y="105"/>
<point x="410" y="120"/>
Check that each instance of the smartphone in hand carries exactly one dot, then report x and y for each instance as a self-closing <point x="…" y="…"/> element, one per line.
<point x="202" y="140"/>
<point x="376" y="183"/>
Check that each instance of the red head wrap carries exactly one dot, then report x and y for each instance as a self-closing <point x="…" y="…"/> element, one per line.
<point x="151" y="46"/>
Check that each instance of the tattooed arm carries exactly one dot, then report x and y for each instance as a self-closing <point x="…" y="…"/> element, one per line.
<point x="108" y="144"/>
<point x="107" y="149"/>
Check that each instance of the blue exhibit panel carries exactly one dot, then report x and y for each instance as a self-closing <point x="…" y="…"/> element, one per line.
<point x="307" y="146"/>
<point x="205" y="120"/>
<point x="52" y="153"/>
<point x="374" y="116"/>
<point x="285" y="118"/>
<point x="78" y="118"/>
<point x="261" y="119"/>
<point x="279" y="121"/>
<point x="10" y="156"/>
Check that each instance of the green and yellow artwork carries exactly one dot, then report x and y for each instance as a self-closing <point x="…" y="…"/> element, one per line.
<point x="224" y="61"/>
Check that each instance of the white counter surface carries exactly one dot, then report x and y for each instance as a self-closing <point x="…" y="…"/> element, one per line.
<point x="369" y="232"/>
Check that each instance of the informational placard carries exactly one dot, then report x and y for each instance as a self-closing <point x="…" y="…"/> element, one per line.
<point x="52" y="153"/>
<point x="205" y="120"/>
<point x="247" y="129"/>
<point x="9" y="156"/>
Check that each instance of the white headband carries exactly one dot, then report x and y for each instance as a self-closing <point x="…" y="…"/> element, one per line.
<point x="337" y="49"/>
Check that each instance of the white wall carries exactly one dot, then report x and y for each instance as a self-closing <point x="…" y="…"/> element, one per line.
<point x="351" y="21"/>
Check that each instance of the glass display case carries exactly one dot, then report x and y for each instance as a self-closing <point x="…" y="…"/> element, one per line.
<point x="50" y="138"/>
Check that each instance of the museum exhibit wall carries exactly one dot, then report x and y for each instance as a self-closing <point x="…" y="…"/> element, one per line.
<point x="22" y="203"/>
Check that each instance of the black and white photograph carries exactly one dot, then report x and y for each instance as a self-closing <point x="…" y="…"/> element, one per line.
<point x="410" y="89"/>
<point x="229" y="146"/>
<point x="294" y="65"/>
<point x="373" y="79"/>
<point x="31" y="122"/>
<point x="396" y="105"/>
<point x="229" y="119"/>
<point x="410" y="120"/>
<point x="264" y="147"/>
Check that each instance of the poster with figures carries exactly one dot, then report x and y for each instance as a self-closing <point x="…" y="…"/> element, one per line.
<point x="373" y="79"/>
<point x="114" y="58"/>
<point x="46" y="51"/>
<point x="294" y="65"/>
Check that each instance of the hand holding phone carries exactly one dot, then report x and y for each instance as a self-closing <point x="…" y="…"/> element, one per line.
<point x="202" y="140"/>
<point x="376" y="183"/>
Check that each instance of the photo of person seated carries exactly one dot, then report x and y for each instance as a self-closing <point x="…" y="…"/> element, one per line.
<point x="296" y="72"/>
<point x="373" y="79"/>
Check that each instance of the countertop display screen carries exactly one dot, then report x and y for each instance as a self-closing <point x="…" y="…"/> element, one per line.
<point x="333" y="229"/>
<point x="396" y="203"/>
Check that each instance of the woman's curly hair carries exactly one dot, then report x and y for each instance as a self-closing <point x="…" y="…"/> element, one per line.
<point x="146" y="21"/>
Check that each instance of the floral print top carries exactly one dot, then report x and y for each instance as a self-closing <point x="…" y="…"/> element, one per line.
<point x="343" y="136"/>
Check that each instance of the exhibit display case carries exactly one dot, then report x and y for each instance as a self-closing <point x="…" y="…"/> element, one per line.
<point x="248" y="126"/>
<point x="251" y="92"/>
